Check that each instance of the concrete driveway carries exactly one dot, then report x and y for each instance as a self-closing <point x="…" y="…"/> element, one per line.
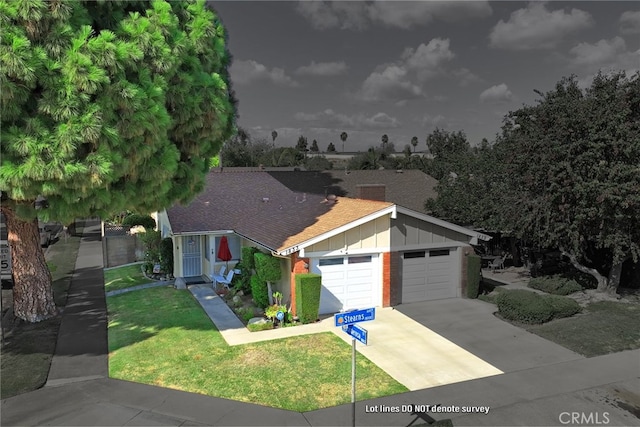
<point x="471" y="325"/>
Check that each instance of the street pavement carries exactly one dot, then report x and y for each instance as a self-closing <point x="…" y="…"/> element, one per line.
<point x="548" y="387"/>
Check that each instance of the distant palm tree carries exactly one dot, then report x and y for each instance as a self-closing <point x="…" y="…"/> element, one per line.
<point x="385" y="140"/>
<point x="414" y="142"/>
<point x="274" y="135"/>
<point x="343" y="137"/>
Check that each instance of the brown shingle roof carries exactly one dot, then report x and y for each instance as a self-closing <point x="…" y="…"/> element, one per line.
<point x="409" y="188"/>
<point x="261" y="208"/>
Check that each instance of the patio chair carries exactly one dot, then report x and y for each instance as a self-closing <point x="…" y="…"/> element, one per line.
<point x="496" y="264"/>
<point x="220" y="275"/>
<point x="226" y="281"/>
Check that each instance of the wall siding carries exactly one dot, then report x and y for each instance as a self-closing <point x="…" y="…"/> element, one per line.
<point x="371" y="235"/>
<point x="406" y="230"/>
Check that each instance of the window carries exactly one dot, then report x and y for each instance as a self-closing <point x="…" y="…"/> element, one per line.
<point x="410" y="255"/>
<point x="440" y="252"/>
<point x="359" y="259"/>
<point x="330" y="261"/>
<point x="234" y="247"/>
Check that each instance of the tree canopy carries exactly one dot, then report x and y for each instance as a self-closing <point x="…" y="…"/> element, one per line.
<point x="106" y="106"/>
<point x="571" y="173"/>
<point x="110" y="105"/>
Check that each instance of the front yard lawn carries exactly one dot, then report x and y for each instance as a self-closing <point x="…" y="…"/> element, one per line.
<point x="124" y="277"/>
<point x="604" y="327"/>
<point x="161" y="336"/>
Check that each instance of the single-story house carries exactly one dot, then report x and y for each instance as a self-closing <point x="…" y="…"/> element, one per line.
<point x="369" y="252"/>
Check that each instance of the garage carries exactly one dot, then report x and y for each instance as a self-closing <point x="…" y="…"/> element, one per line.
<point x="429" y="275"/>
<point x="348" y="282"/>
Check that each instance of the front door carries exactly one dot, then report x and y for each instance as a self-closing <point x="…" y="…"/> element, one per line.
<point x="191" y="256"/>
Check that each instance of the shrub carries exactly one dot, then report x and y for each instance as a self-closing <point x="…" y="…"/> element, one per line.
<point x="308" y="287"/>
<point x="259" y="291"/>
<point x="473" y="276"/>
<point x="151" y="241"/>
<point x="248" y="262"/>
<point x="267" y="267"/>
<point x="562" y="307"/>
<point x="242" y="281"/>
<point x="144" y="220"/>
<point x="528" y="307"/>
<point x="166" y="255"/>
<point x="255" y="327"/>
<point x="555" y="285"/>
<point x="524" y="306"/>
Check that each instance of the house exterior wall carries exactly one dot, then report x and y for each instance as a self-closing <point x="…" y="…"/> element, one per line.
<point x="372" y="236"/>
<point x="162" y="223"/>
<point x="412" y="233"/>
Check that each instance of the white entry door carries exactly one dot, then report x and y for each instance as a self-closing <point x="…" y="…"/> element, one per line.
<point x="191" y="256"/>
<point x="347" y="282"/>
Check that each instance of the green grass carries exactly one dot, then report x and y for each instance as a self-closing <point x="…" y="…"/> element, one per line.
<point x="161" y="336"/>
<point x="604" y="327"/>
<point x="124" y="277"/>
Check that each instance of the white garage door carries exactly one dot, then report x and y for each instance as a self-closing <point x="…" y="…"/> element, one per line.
<point x="347" y="282"/>
<point x="428" y="275"/>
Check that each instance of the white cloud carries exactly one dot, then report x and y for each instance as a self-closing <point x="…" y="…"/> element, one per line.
<point x="496" y="94"/>
<point x="630" y="22"/>
<point x="358" y="15"/>
<point x="249" y="71"/>
<point x="330" y="119"/>
<point x="429" y="120"/>
<point x="323" y="69"/>
<point x="418" y="13"/>
<point x="427" y="59"/>
<point x="403" y="80"/>
<point x="604" y="54"/>
<point x="465" y="77"/>
<point x="392" y="83"/>
<point x="537" y="28"/>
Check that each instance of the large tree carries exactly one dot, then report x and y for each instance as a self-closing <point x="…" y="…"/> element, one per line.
<point x="105" y="106"/>
<point x="571" y="174"/>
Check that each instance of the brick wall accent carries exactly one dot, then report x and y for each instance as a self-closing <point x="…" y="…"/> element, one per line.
<point x="395" y="288"/>
<point x="386" y="279"/>
<point x="297" y="267"/>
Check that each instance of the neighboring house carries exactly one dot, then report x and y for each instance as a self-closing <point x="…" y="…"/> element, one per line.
<point x="369" y="252"/>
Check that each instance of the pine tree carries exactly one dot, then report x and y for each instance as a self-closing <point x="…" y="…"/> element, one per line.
<point x="106" y="106"/>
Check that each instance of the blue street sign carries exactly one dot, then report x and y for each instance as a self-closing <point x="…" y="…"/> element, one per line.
<point x="355" y="316"/>
<point x="356" y="332"/>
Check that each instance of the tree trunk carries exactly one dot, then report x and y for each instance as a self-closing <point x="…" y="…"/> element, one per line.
<point x="32" y="292"/>
<point x="605" y="284"/>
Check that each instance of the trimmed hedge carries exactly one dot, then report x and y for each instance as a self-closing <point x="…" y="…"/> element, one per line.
<point x="259" y="291"/>
<point x="267" y="267"/>
<point x="473" y="276"/>
<point x="308" y="286"/>
<point x="528" y="307"/>
<point x="166" y="255"/>
<point x="248" y="262"/>
<point x="556" y="285"/>
<point x="144" y="220"/>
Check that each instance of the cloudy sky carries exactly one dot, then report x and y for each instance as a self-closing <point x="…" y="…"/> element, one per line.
<point x="318" y="68"/>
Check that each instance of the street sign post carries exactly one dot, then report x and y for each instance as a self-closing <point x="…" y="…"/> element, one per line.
<point x="355" y="316"/>
<point x="348" y="322"/>
<point x="356" y="332"/>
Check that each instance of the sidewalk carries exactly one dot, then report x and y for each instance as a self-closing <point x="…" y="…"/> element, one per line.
<point x="80" y="393"/>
